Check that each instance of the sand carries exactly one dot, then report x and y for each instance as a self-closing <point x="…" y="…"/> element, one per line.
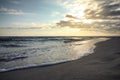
<point x="103" y="64"/>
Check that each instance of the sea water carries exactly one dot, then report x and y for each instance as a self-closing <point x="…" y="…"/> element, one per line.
<point x="25" y="52"/>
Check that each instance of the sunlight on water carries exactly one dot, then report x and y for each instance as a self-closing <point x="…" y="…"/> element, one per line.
<point x="85" y="47"/>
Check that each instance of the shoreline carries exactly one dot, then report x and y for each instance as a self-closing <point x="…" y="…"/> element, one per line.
<point x="54" y="63"/>
<point x="103" y="64"/>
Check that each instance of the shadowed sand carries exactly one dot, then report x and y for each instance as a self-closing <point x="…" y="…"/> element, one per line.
<point x="103" y="64"/>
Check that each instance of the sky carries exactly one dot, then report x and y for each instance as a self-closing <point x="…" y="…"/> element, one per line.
<point x="59" y="17"/>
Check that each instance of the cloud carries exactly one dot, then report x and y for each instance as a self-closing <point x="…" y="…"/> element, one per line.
<point x="99" y="15"/>
<point x="104" y="14"/>
<point x="112" y="26"/>
<point x="64" y="24"/>
<point x="105" y="10"/>
<point x="4" y="10"/>
<point x="92" y="8"/>
<point x="15" y="2"/>
<point x="73" y="24"/>
<point x="70" y="16"/>
<point x="29" y="25"/>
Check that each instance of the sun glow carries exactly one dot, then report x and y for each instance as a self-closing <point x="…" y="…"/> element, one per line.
<point x="87" y="21"/>
<point x="78" y="11"/>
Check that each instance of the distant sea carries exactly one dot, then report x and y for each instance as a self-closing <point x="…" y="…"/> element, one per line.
<point x="25" y="52"/>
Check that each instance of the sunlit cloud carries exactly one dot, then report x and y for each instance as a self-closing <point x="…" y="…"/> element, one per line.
<point x="99" y="15"/>
<point x="4" y="10"/>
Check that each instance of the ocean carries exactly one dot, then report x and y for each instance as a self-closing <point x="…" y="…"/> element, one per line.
<point x="26" y="52"/>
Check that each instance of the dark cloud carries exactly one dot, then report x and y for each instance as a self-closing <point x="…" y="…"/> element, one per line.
<point x="64" y="23"/>
<point x="73" y="24"/>
<point x="69" y="24"/>
<point x="106" y="9"/>
<point x="114" y="13"/>
<point x="70" y="16"/>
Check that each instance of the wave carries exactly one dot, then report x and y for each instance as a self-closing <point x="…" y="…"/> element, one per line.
<point x="8" y="39"/>
<point x="47" y="63"/>
<point x="15" y="55"/>
<point x="48" y="53"/>
<point x="11" y="45"/>
<point x="12" y="58"/>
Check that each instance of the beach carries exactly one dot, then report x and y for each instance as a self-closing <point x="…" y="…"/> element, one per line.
<point x="103" y="64"/>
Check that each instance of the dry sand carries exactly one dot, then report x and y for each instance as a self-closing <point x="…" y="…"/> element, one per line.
<point x="103" y="64"/>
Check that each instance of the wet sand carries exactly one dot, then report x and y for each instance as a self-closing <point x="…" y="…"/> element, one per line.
<point x="103" y="64"/>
